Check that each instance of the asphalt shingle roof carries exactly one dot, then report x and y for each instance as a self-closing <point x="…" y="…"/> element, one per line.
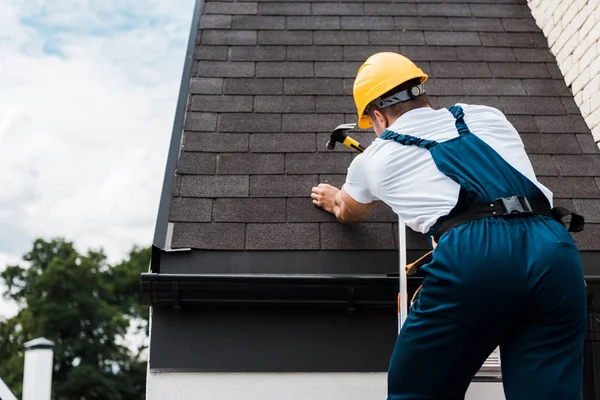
<point x="271" y="79"/>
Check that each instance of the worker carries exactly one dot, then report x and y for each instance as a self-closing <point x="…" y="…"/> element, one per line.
<point x="504" y="270"/>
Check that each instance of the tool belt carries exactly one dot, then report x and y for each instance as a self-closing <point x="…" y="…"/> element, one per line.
<point x="508" y="207"/>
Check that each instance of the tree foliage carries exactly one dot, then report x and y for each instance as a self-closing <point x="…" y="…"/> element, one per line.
<point x="85" y="306"/>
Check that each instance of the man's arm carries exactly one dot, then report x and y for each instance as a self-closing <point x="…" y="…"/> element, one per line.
<point x="339" y="203"/>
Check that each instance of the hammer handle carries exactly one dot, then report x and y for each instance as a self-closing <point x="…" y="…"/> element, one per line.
<point x="353" y="144"/>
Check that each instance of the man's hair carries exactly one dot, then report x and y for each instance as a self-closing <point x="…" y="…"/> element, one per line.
<point x="396" y="110"/>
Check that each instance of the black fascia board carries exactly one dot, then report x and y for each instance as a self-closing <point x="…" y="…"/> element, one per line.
<point x="162" y="220"/>
<point x="348" y="292"/>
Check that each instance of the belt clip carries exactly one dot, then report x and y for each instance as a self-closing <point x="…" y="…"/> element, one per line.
<point x="515" y="205"/>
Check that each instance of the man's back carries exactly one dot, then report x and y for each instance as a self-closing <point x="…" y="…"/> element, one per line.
<point x="406" y="177"/>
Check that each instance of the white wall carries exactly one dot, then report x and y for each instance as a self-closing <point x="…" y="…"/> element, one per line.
<point x="291" y="386"/>
<point x="573" y="29"/>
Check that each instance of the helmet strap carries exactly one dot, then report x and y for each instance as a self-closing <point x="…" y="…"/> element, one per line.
<point x="399" y="97"/>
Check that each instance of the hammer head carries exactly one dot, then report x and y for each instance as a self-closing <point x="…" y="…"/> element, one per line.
<point x="339" y="134"/>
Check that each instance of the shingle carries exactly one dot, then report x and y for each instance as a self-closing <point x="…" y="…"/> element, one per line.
<point x="504" y="54"/>
<point x="177" y="186"/>
<point x="579" y="165"/>
<point x="221" y="103"/>
<point x="314" y="163"/>
<point x="285" y="37"/>
<point x="532" y="105"/>
<point x="214" y="53"/>
<point x="253" y="86"/>
<point x="460" y="69"/>
<point x="490" y="101"/>
<point x="452" y="38"/>
<point x="257" y="53"/>
<point x="258" y="22"/>
<point x="335" y="104"/>
<point x="249" y="210"/>
<point x="536" y="143"/>
<point x="523" y="123"/>
<point x="313" y="86"/>
<point x="336" y="180"/>
<point x="540" y="40"/>
<point x="555" y="72"/>
<point x="311" y="123"/>
<point x="361" y="53"/>
<point x="282" y="236"/>
<point x="543" y="165"/>
<point x="475" y="24"/>
<point x="215" y="22"/>
<point x="214" y="186"/>
<point x="314" y="53"/>
<point x="496" y="10"/>
<point x="206" y="86"/>
<point x="395" y="38"/>
<point x="514" y="70"/>
<point x="533" y="55"/>
<point x="303" y="210"/>
<point x="381" y="213"/>
<point x="282" y="185"/>
<point x="429" y="53"/>
<point x="588" y="239"/>
<point x="336" y="69"/>
<point x="208" y="236"/>
<point x="284" y="8"/>
<point x="195" y="121"/>
<point x="590" y="209"/>
<point x="285" y="69"/>
<point x="337" y="9"/>
<point x="475" y="87"/>
<point x="447" y="10"/>
<point x="364" y="236"/>
<point x="545" y="87"/>
<point x="249" y="163"/>
<point x="400" y="9"/>
<point x="572" y="187"/>
<point x="520" y="25"/>
<point x="586" y="141"/>
<point x="229" y="37"/>
<point x="196" y="163"/>
<point x="248" y="122"/>
<point x="313" y="23"/>
<point x="215" y="142"/>
<point x="368" y="23"/>
<point x="282" y="143"/>
<point x="422" y="23"/>
<point x="240" y="69"/>
<point x="562" y="124"/>
<point x="230" y="8"/>
<point x="508" y="39"/>
<point x="569" y="102"/>
<point x="342" y="37"/>
<point x="190" y="210"/>
<point x="284" y="104"/>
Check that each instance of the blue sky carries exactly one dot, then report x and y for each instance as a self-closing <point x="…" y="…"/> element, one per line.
<point x="87" y="99"/>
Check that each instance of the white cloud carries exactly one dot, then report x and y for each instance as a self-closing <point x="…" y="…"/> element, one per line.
<point x="88" y="91"/>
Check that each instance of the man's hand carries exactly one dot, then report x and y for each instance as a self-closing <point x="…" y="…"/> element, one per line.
<point x="339" y="203"/>
<point x="324" y="196"/>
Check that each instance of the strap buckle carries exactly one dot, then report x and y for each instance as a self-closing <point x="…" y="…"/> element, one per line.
<point x="515" y="205"/>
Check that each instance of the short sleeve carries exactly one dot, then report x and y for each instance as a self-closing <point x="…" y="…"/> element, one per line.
<point x="356" y="184"/>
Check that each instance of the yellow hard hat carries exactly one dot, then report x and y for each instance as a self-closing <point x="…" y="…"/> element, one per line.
<point x="379" y="74"/>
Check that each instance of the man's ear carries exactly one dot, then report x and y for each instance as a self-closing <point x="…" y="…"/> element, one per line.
<point x="381" y="118"/>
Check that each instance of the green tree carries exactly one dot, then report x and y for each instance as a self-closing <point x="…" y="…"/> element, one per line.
<point x="85" y="306"/>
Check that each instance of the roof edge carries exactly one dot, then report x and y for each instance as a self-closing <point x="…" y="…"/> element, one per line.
<point x="162" y="219"/>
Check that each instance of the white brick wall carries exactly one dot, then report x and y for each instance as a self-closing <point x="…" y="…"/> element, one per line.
<point x="573" y="31"/>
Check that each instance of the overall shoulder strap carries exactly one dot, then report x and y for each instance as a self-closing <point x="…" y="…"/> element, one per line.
<point x="407" y="140"/>
<point x="459" y="115"/>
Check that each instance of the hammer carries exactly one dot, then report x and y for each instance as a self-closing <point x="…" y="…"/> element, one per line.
<point x="339" y="135"/>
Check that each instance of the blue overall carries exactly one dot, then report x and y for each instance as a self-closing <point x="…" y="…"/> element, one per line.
<point x="515" y="282"/>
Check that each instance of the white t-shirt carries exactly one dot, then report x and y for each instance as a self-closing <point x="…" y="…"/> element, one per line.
<point x="406" y="177"/>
